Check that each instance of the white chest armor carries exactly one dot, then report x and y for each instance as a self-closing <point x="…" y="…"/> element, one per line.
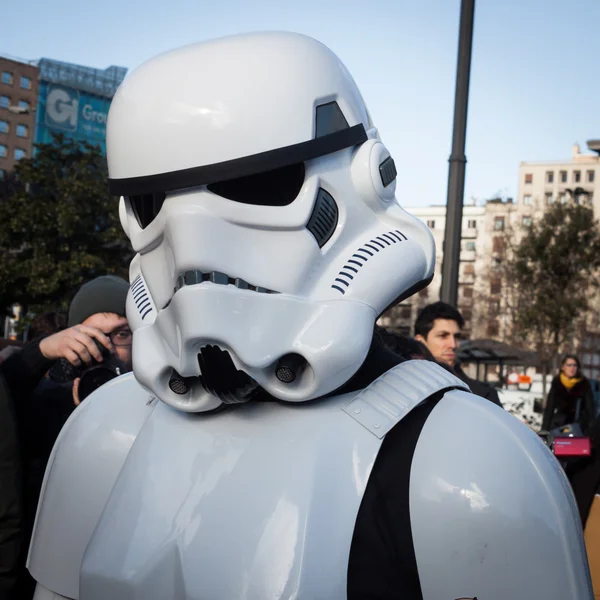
<point x="254" y="503"/>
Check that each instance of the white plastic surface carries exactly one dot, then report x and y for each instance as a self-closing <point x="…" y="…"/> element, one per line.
<point x="85" y="462"/>
<point x="260" y="501"/>
<point x="375" y="254"/>
<point x="42" y="593"/>
<point x="391" y="397"/>
<point x="224" y="99"/>
<point x="257" y="502"/>
<point x="492" y="513"/>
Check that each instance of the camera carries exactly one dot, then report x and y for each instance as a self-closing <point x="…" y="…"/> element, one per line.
<point x="91" y="376"/>
<point x="99" y="373"/>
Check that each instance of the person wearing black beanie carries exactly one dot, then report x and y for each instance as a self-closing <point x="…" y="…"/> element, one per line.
<point x="97" y="311"/>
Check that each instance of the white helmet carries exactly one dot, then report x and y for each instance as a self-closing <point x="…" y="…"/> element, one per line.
<point x="260" y="203"/>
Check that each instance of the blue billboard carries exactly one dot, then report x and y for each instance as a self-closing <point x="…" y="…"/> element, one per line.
<point x="77" y="114"/>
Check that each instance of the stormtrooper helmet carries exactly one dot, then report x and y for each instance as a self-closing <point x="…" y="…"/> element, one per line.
<point x="261" y="206"/>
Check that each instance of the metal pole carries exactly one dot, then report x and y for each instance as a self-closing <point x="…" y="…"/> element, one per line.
<point x="456" y="175"/>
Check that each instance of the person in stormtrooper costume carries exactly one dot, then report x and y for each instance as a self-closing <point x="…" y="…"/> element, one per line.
<point x="266" y="447"/>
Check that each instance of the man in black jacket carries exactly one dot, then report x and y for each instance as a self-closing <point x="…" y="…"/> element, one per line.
<point x="438" y="326"/>
<point x="19" y="376"/>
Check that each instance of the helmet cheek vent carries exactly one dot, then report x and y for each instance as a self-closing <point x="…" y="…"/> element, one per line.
<point x="324" y="218"/>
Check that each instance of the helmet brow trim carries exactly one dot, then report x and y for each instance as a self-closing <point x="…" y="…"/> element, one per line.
<point x="240" y="167"/>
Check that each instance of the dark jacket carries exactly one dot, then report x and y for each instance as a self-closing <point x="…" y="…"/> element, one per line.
<point x="19" y="375"/>
<point x="480" y="388"/>
<point x="569" y="406"/>
<point x="47" y="410"/>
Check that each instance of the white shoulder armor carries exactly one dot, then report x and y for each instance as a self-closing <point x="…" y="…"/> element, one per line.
<point x="98" y="437"/>
<point x="492" y="513"/>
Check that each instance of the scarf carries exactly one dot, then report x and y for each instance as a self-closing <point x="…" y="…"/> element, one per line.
<point x="569" y="382"/>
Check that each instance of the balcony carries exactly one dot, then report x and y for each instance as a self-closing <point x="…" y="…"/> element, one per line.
<point x="469" y="233"/>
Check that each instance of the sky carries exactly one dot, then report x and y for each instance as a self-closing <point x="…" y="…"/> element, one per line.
<point x="535" y="73"/>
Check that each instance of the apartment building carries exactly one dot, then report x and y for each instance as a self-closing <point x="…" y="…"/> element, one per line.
<point x="18" y="103"/>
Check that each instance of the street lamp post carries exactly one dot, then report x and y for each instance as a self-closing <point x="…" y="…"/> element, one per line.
<point x="456" y="175"/>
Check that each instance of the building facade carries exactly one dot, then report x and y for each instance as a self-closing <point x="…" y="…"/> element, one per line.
<point x="482" y="296"/>
<point x="74" y="101"/>
<point x="402" y="317"/>
<point x="576" y="179"/>
<point x="18" y="106"/>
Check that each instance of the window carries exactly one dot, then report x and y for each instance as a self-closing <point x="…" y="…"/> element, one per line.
<point x="467" y="292"/>
<point x="405" y="313"/>
<point x="498" y="244"/>
<point x="23" y="105"/>
<point x="3" y="126"/>
<point x="22" y="130"/>
<point x="424" y="293"/>
<point x="495" y="286"/>
<point x="469" y="269"/>
<point x="527" y="199"/>
<point x="549" y="176"/>
<point x="576" y="176"/>
<point x="467" y="314"/>
<point x="25" y="83"/>
<point x="19" y="153"/>
<point x="494" y="307"/>
<point x="2" y="150"/>
<point x="493" y="328"/>
<point x="472" y="224"/>
<point x="7" y="78"/>
<point x="549" y="198"/>
<point x="4" y="101"/>
<point x="431" y="224"/>
<point x="498" y="223"/>
<point x="591" y="176"/>
<point x="470" y="246"/>
<point x="563" y="177"/>
<point x="2" y="174"/>
<point x="528" y="177"/>
<point x="562" y="198"/>
<point x="527" y="221"/>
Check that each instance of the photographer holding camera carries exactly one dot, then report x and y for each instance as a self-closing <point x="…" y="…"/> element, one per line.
<point x="94" y="349"/>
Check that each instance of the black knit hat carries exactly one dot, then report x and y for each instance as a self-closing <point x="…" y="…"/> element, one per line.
<point x="103" y="294"/>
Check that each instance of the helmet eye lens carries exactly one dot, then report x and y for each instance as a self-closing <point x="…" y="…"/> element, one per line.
<point x="146" y="207"/>
<point x="279" y="187"/>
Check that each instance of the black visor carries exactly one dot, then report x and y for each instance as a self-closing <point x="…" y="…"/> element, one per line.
<point x="239" y="167"/>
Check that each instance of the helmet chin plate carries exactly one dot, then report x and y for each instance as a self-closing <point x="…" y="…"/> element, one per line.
<point x="221" y="378"/>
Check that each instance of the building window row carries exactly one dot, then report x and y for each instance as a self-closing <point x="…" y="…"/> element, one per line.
<point x="22" y="130"/>
<point x="19" y="153"/>
<point x="562" y="197"/>
<point x="431" y="224"/>
<point x="563" y="176"/>
<point x="8" y="79"/>
<point x="5" y="103"/>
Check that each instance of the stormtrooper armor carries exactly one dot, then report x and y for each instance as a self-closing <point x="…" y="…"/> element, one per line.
<point x="265" y="446"/>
